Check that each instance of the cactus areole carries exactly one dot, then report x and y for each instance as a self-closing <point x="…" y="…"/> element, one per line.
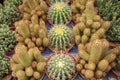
<point x="59" y="13"/>
<point x="60" y="37"/>
<point x="61" y="67"/>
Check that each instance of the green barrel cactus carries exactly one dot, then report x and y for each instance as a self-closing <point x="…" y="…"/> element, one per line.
<point x="7" y="38"/>
<point x="117" y="67"/>
<point x="61" y="67"/>
<point x="56" y="1"/>
<point x="60" y="37"/>
<point x="4" y="65"/>
<point x="59" y="13"/>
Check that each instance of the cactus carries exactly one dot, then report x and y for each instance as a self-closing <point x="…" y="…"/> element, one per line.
<point x="12" y="13"/>
<point x="59" y="13"/>
<point x="4" y="65"/>
<point x="26" y="62"/>
<point x="117" y="67"/>
<point x="7" y="38"/>
<point x="13" y="2"/>
<point x="60" y="37"/>
<point x="56" y="1"/>
<point x="58" y="67"/>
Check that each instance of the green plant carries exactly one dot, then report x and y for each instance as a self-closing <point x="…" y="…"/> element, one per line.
<point x="61" y="67"/>
<point x="4" y="65"/>
<point x="113" y="33"/>
<point x="117" y="67"/>
<point x="7" y="38"/>
<point x="60" y="37"/>
<point x="13" y="2"/>
<point x="109" y="9"/>
<point x="59" y="13"/>
<point x="56" y="1"/>
<point x="9" y="14"/>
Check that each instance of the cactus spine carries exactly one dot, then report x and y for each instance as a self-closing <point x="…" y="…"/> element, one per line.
<point x="60" y="37"/>
<point x="59" y="13"/>
<point x="56" y="1"/>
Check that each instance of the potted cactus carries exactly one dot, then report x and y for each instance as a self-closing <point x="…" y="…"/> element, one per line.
<point x="59" y="13"/>
<point x="116" y="69"/>
<point x="61" y="67"/>
<point x="60" y="38"/>
<point x="4" y="67"/>
<point x="27" y="64"/>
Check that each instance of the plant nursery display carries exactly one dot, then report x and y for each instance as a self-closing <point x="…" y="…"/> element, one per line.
<point x="60" y="37"/>
<point x="90" y="26"/>
<point x="31" y="7"/>
<point x="27" y="64"/>
<point x="94" y="62"/>
<point x="113" y="32"/>
<point x="61" y="67"/>
<point x="32" y="33"/>
<point x="7" y="39"/>
<point x="108" y="9"/>
<point x="59" y="13"/>
<point x="60" y="40"/>
<point x="4" y="66"/>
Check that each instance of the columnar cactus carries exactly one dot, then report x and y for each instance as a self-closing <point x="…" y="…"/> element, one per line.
<point x="61" y="67"/>
<point x="60" y="37"/>
<point x="59" y="13"/>
<point x="7" y="38"/>
<point x="55" y="1"/>
<point x="4" y="65"/>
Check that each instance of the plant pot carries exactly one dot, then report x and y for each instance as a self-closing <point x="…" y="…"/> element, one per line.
<point x="117" y="73"/>
<point x="67" y="50"/>
<point x="73" y="78"/>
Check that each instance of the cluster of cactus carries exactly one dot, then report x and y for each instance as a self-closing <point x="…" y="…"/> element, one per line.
<point x="56" y="1"/>
<point x="9" y="14"/>
<point x="32" y="33"/>
<point x="94" y="60"/>
<point x="90" y="26"/>
<point x="4" y="65"/>
<point x="7" y="38"/>
<point x="13" y="2"/>
<point x="27" y="64"/>
<point x="31" y="7"/>
<point x="60" y="37"/>
<point x="59" y="13"/>
<point x="117" y="63"/>
<point x="61" y="67"/>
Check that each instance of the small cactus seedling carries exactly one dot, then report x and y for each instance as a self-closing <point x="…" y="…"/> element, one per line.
<point x="59" y="13"/>
<point x="60" y="37"/>
<point x="61" y="67"/>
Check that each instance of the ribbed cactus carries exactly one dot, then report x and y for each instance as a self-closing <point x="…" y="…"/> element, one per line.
<point x="7" y="38"/>
<point x="60" y="37"/>
<point x="4" y="66"/>
<point x="55" y="1"/>
<point x="59" y="13"/>
<point x="61" y="67"/>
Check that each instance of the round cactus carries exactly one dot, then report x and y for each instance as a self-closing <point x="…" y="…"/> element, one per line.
<point x="55" y="1"/>
<point x="4" y="65"/>
<point x="61" y="67"/>
<point x="7" y="38"/>
<point x="59" y="13"/>
<point x="60" y="37"/>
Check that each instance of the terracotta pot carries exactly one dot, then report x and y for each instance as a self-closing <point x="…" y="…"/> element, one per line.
<point x="73" y="78"/>
<point x="117" y="73"/>
<point x="56" y="51"/>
